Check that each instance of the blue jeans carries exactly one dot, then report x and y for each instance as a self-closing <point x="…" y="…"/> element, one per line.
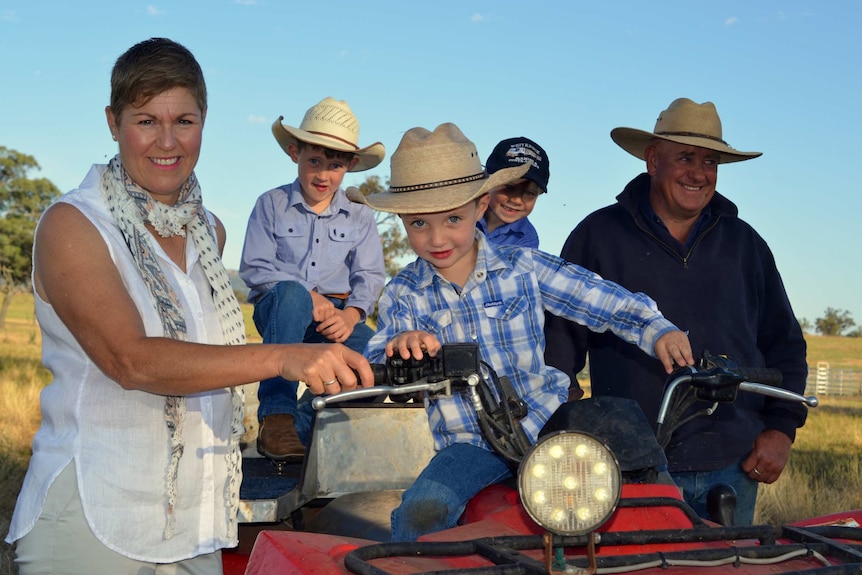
<point x="284" y="315"/>
<point x="695" y="486"/>
<point x="439" y="495"/>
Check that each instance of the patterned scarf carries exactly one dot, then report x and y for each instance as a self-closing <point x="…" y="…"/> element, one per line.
<point x="131" y="206"/>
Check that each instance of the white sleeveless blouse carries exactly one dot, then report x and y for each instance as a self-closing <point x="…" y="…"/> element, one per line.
<point x="119" y="439"/>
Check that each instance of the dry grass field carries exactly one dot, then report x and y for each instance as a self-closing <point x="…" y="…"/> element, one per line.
<point x="824" y="474"/>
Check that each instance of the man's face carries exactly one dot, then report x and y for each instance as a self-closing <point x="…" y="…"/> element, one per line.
<point x="683" y="179"/>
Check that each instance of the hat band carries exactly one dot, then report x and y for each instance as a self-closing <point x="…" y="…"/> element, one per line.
<point x="692" y="135"/>
<point x="440" y="184"/>
<point x="355" y="147"/>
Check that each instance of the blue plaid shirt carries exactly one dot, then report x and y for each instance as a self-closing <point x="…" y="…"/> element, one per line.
<point x="502" y="309"/>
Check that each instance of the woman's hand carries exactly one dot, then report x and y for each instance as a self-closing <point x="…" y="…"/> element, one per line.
<point x="326" y="368"/>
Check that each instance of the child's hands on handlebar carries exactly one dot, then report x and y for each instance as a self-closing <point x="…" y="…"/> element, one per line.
<point x="673" y="348"/>
<point x="414" y="344"/>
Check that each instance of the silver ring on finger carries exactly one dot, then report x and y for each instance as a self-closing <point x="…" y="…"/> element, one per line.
<point x="330" y="382"/>
<point x="756" y="472"/>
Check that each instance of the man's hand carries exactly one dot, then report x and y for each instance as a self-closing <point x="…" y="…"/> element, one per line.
<point x="768" y="456"/>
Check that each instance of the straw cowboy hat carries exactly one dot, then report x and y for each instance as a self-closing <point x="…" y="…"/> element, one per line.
<point x="435" y="172"/>
<point x="330" y="124"/>
<point x="684" y="122"/>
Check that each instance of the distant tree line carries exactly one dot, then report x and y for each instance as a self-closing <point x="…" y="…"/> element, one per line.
<point x="22" y="201"/>
<point x="833" y="322"/>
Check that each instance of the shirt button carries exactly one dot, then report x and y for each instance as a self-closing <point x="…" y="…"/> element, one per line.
<point x="313" y="264"/>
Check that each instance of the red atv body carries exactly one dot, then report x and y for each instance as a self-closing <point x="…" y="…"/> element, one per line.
<point x="363" y="455"/>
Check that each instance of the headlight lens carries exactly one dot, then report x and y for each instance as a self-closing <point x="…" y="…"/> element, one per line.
<point x="569" y="483"/>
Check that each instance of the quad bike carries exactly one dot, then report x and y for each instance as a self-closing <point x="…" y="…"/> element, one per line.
<point x="590" y="496"/>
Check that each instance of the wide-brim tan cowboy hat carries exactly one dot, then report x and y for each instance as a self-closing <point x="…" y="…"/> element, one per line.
<point x="684" y="122"/>
<point x="330" y="124"/>
<point x="435" y="172"/>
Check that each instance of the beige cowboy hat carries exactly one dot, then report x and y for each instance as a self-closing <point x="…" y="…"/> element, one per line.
<point x="684" y="122"/>
<point x="330" y="124"/>
<point x="435" y="172"/>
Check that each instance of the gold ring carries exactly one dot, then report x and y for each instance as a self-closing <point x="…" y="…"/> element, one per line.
<point x="331" y="382"/>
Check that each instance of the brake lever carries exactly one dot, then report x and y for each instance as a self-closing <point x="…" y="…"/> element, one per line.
<point x="810" y="401"/>
<point x="322" y="401"/>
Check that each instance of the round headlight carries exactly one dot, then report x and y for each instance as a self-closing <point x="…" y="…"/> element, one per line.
<point x="570" y="483"/>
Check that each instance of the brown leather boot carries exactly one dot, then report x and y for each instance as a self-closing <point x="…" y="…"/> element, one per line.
<point x="277" y="438"/>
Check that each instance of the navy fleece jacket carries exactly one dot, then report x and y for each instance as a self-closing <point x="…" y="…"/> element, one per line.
<point x="726" y="291"/>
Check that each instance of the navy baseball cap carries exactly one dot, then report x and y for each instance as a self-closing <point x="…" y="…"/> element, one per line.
<point x="514" y="152"/>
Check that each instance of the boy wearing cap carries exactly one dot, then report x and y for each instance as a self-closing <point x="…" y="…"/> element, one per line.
<point x="505" y="220"/>
<point x="461" y="288"/>
<point x="313" y="261"/>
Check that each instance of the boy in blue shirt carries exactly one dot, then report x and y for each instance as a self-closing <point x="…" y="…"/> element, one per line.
<point x="505" y="220"/>
<point x="462" y="288"/>
<point x="312" y="260"/>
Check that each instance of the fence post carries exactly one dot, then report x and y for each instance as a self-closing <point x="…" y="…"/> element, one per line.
<point x="822" y="381"/>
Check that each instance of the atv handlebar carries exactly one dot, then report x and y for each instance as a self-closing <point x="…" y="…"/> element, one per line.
<point x="457" y="365"/>
<point x="719" y="384"/>
<point x="322" y="401"/>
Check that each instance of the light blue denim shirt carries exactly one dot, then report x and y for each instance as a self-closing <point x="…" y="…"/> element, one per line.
<point x="518" y="233"/>
<point x="502" y="309"/>
<point x="336" y="251"/>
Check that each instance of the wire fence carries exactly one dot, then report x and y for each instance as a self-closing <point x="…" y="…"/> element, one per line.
<point x="825" y="380"/>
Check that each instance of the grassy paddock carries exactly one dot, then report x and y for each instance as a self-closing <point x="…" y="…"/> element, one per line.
<point x="824" y="474"/>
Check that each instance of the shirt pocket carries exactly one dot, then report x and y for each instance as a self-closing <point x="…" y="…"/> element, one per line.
<point x="507" y="310"/>
<point x="341" y="239"/>
<point x="514" y="320"/>
<point x="435" y="322"/>
<point x="291" y="241"/>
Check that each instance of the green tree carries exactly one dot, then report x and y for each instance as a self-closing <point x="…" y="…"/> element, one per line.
<point x="834" y="321"/>
<point x="22" y="201"/>
<point x="392" y="236"/>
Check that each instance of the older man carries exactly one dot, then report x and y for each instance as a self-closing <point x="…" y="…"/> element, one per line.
<point x="672" y="236"/>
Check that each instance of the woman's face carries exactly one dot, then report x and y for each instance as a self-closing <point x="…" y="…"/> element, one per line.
<point x="160" y="141"/>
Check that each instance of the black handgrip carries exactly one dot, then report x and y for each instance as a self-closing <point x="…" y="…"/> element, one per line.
<point x="766" y="375"/>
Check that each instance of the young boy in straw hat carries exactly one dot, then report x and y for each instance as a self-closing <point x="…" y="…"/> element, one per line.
<point x="506" y="219"/>
<point x="312" y="260"/>
<point x="461" y="289"/>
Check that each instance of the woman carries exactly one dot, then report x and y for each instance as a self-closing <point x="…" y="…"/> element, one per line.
<point x="136" y="466"/>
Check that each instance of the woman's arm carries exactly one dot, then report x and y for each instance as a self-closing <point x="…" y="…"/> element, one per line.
<point x="74" y="272"/>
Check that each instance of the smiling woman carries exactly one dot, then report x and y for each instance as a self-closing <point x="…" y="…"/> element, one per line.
<point x="160" y="141"/>
<point x="144" y="337"/>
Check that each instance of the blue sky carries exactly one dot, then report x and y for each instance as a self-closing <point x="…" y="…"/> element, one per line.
<point x="784" y="75"/>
